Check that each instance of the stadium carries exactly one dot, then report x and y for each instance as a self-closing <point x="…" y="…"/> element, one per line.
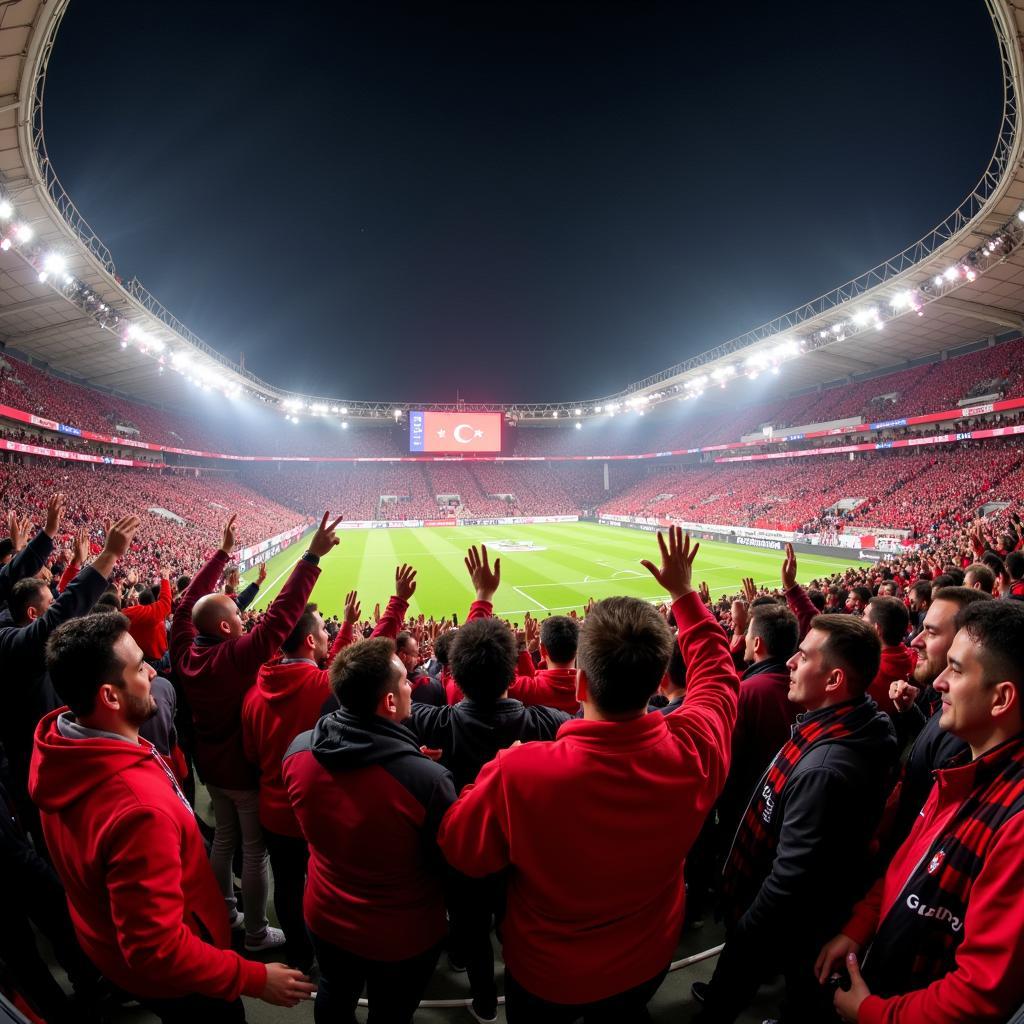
<point x="866" y="444"/>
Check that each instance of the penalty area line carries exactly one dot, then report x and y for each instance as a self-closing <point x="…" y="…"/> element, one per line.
<point x="526" y="597"/>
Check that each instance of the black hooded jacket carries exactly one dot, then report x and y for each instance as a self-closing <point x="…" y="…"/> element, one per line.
<point x="469" y="733"/>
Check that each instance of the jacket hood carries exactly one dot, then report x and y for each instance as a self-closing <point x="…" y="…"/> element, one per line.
<point x="559" y="678"/>
<point x="342" y="741"/>
<point x="898" y="659"/>
<point x="64" y="770"/>
<point x="282" y="677"/>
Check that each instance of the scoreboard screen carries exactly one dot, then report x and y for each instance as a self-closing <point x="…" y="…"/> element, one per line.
<point x="455" y="433"/>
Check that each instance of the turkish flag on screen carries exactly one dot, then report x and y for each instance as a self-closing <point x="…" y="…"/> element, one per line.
<point x="454" y="432"/>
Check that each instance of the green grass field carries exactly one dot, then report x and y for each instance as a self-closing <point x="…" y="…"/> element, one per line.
<point x="563" y="566"/>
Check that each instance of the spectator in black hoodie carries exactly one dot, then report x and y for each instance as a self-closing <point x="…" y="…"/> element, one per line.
<point x="369" y="804"/>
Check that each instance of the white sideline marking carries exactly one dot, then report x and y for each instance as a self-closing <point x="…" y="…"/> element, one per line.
<point x="526" y="597"/>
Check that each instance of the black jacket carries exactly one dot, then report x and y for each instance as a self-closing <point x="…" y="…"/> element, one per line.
<point x="469" y="734"/>
<point x="931" y="750"/>
<point x="25" y="563"/>
<point x="26" y="693"/>
<point x="824" y="820"/>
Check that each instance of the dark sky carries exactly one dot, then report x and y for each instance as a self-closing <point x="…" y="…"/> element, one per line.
<point x="518" y="200"/>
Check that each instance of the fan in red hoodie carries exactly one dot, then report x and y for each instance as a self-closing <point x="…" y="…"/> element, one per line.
<point x="145" y="905"/>
<point x="555" y="685"/>
<point x="639" y="787"/>
<point x="891" y="621"/>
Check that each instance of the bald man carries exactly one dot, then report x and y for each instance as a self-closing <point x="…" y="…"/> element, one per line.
<point x="216" y="663"/>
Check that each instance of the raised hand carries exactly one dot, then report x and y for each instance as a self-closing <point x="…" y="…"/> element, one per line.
<point x="405" y="582"/>
<point x="82" y="546"/>
<point x="485" y="580"/>
<point x="325" y="537"/>
<point x="352" y="608"/>
<point x="18" y="530"/>
<point x="789" y="569"/>
<point x="118" y="540"/>
<point x="376" y="612"/>
<point x="705" y="593"/>
<point x="54" y="514"/>
<point x="262" y="575"/>
<point x="676" y="571"/>
<point x="229" y="537"/>
<point x="532" y="627"/>
<point x="749" y="590"/>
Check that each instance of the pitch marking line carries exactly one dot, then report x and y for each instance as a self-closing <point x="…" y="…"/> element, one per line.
<point x="526" y="597"/>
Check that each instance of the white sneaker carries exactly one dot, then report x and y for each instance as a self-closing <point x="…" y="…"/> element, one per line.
<point x="270" y="939"/>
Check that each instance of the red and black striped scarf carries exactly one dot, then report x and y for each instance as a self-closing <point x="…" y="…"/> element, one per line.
<point x="917" y="941"/>
<point x="753" y="849"/>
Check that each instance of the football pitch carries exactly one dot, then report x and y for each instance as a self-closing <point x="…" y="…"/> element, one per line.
<point x="545" y="569"/>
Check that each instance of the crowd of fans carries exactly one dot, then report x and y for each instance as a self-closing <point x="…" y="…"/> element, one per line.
<point x="930" y="387"/>
<point x="769" y="755"/>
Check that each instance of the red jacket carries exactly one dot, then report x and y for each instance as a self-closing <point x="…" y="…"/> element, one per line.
<point x="550" y="687"/>
<point x="216" y="674"/>
<point x="148" y="623"/>
<point x="896" y="663"/>
<point x="146" y="908"/>
<point x="986" y="984"/>
<point x="638" y="793"/>
<point x="285" y="701"/>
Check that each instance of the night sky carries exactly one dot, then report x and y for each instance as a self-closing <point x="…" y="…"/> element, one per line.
<point x="513" y="200"/>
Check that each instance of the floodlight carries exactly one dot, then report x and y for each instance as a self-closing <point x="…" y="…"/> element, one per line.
<point x="578" y="412"/>
<point x="903" y="299"/>
<point x="344" y="410"/>
<point x="1020" y="214"/>
<point x="938" y="281"/>
<point x="344" y="424"/>
<point x="554" y="415"/>
<point x="6" y="209"/>
<point x="597" y="408"/>
<point x="5" y="245"/>
<point x="952" y="273"/>
<point x="398" y="414"/>
<point x="23" y="233"/>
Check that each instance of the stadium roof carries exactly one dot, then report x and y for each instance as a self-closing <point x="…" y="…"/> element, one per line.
<point x="961" y="283"/>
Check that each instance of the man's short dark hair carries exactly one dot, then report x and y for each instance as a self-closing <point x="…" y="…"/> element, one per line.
<point x="403" y="638"/>
<point x="944" y="579"/>
<point x="182" y="583"/>
<point x="994" y="562"/>
<point x="443" y="647"/>
<point x="863" y="594"/>
<point x="362" y="673"/>
<point x="482" y="658"/>
<point x="560" y="635"/>
<point x="961" y="596"/>
<point x="624" y="650"/>
<point x="6" y="547"/>
<point x="852" y="645"/>
<point x="107" y="602"/>
<point x="777" y="628"/>
<point x="997" y="627"/>
<point x="763" y="601"/>
<point x="983" y="575"/>
<point x="817" y="598"/>
<point x="307" y="624"/>
<point x="891" y="617"/>
<point x="922" y="590"/>
<point x="80" y="658"/>
<point x="1015" y="565"/>
<point x="677" y="668"/>
<point x="25" y="594"/>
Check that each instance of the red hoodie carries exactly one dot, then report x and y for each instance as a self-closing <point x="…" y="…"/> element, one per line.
<point x="639" y="792"/>
<point x="146" y="908"/>
<point x="549" y="687"/>
<point x="216" y="673"/>
<point x="285" y="701"/>
<point x="896" y="663"/>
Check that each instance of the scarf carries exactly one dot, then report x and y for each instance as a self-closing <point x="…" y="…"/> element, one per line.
<point x="917" y="941"/>
<point x="753" y="849"/>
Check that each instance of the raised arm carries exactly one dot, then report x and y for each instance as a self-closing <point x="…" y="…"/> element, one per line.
<point x="485" y="582"/>
<point x="29" y="555"/>
<point x="796" y="597"/>
<point x="390" y="623"/>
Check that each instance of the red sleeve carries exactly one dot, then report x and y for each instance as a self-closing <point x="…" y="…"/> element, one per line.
<point x="480" y="610"/>
<point x="707" y="716"/>
<point x="800" y="605"/>
<point x="151" y="614"/>
<point x="342" y="639"/>
<point x="147" y="908"/>
<point x="524" y="664"/>
<point x="474" y="833"/>
<point x="984" y="986"/>
<point x="67" y="576"/>
<point x="391" y="621"/>
<point x="203" y="583"/>
<point x="251" y="650"/>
